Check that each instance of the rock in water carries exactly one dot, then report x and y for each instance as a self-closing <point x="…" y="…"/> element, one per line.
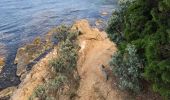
<point x="27" y="55"/>
<point x="2" y="56"/>
<point x="2" y="63"/>
<point x="6" y="93"/>
<point x="104" y="13"/>
<point x="98" y="22"/>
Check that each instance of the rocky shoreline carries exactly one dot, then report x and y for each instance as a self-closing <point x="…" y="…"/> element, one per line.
<point x="2" y="57"/>
<point x="40" y="72"/>
<point x="96" y="82"/>
<point x="26" y="57"/>
<point x="30" y="55"/>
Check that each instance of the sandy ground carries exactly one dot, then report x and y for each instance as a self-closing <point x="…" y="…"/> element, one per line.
<point x="96" y="51"/>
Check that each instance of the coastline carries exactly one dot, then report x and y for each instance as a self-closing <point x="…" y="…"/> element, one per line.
<point x="10" y="56"/>
<point x="10" y="65"/>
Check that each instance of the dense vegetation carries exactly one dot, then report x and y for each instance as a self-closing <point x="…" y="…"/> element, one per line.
<point x="127" y="67"/>
<point x="66" y="80"/>
<point x="146" y="25"/>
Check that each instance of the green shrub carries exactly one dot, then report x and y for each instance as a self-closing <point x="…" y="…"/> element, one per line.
<point x="61" y="33"/>
<point x="64" y="66"/>
<point x="50" y="90"/>
<point x="146" y="24"/>
<point x="67" y="57"/>
<point x="114" y="28"/>
<point x="127" y="68"/>
<point x="116" y="23"/>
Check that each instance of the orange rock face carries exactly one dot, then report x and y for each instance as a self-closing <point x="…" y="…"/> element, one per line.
<point x="39" y="73"/>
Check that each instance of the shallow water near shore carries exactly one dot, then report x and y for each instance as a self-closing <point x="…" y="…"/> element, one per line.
<point x="22" y="20"/>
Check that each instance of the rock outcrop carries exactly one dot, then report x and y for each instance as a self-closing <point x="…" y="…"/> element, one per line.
<point x="39" y="74"/>
<point x="6" y="93"/>
<point x="28" y="55"/>
<point x="2" y="57"/>
<point x="2" y="63"/>
<point x="94" y="56"/>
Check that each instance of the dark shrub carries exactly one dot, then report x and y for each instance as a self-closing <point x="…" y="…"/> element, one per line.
<point x="127" y="67"/>
<point x="146" y="24"/>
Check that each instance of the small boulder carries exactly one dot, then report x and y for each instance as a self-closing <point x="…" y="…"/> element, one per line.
<point x="98" y="22"/>
<point x="104" y="13"/>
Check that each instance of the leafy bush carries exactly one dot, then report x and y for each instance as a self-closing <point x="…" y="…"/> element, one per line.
<point x="67" y="58"/>
<point x="127" y="68"/>
<point x="66" y="81"/>
<point x="115" y="24"/>
<point x="61" y="33"/>
<point x="67" y="55"/>
<point x="49" y="91"/>
<point x="114" y="28"/>
<point x="146" y="24"/>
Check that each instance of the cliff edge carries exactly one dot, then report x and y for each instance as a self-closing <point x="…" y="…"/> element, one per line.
<point x="95" y="74"/>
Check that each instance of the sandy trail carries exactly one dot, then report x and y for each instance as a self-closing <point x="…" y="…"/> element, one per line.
<point x="96" y="50"/>
<point x="95" y="84"/>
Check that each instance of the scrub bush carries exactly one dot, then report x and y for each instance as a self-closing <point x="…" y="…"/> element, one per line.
<point x="66" y="79"/>
<point x="146" y="24"/>
<point x="50" y="90"/>
<point x="127" y="67"/>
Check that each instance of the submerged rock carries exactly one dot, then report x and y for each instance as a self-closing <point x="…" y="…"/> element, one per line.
<point x="98" y="22"/>
<point x="6" y="93"/>
<point x="2" y="63"/>
<point x="104" y="13"/>
<point x="2" y="56"/>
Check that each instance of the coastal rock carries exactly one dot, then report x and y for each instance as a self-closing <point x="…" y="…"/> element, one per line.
<point x="22" y="59"/>
<point x="2" y="63"/>
<point x="2" y="56"/>
<point x="98" y="22"/>
<point x="96" y="79"/>
<point x="40" y="71"/>
<point x="90" y="40"/>
<point x="39" y="74"/>
<point x="26" y="55"/>
<point x="6" y="93"/>
<point x="104" y="13"/>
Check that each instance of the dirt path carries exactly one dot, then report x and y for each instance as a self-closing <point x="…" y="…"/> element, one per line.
<point x="96" y="50"/>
